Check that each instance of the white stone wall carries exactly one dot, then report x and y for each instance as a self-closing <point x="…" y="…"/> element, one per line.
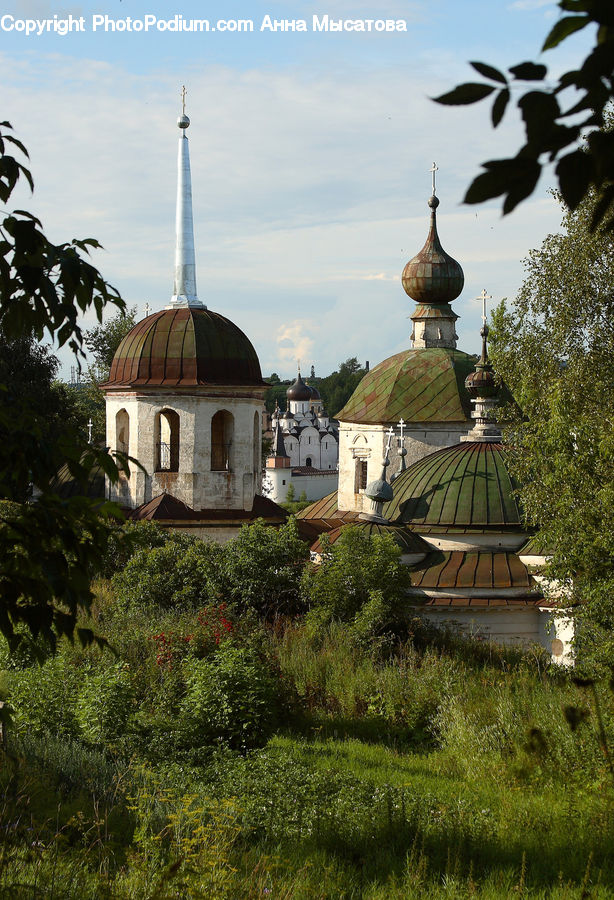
<point x="315" y="486"/>
<point x="194" y="483"/>
<point x="368" y="442"/>
<point x="522" y="627"/>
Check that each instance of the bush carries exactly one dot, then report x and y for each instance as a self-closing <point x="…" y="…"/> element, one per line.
<point x="260" y="570"/>
<point x="360" y="581"/>
<point x="105" y="704"/>
<point x="232" y="699"/>
<point x="176" y="574"/>
<point x="126" y="539"/>
<point x="44" y="698"/>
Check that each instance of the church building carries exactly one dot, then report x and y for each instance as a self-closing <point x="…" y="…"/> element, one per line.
<point x="305" y="449"/>
<point x="185" y="398"/>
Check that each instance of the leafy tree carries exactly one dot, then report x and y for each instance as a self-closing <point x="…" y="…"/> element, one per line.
<point x="360" y="581"/>
<point x="554" y="348"/>
<point x="260" y="570"/>
<point x="337" y="388"/>
<point x="550" y="130"/>
<point x="47" y="548"/>
<point x="28" y="370"/>
<point x="103" y="340"/>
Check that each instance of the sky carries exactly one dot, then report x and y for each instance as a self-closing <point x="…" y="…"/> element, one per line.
<point x="310" y="156"/>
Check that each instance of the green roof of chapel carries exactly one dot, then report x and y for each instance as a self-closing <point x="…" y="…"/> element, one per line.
<point x="421" y="385"/>
<point x="465" y="486"/>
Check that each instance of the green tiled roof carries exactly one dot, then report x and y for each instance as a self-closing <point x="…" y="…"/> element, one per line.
<point x="422" y="385"/>
<point x="402" y="536"/>
<point x="465" y="485"/>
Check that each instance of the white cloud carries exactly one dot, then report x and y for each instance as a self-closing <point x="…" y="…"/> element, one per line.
<point x="295" y="344"/>
<point x="310" y="190"/>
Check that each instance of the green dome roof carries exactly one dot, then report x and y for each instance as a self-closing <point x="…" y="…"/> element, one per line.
<point x="466" y="487"/>
<point x="402" y="536"/>
<point x="422" y="385"/>
<point x="185" y="347"/>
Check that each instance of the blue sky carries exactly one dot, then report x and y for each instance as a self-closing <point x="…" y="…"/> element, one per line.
<point x="310" y="158"/>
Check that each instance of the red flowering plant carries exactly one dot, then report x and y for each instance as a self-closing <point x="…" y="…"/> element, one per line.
<point x="211" y="627"/>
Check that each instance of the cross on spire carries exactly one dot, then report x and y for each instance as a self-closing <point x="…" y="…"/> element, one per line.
<point x="390" y="434"/>
<point x="147" y="309"/>
<point x="434" y="168"/>
<point x="183" y="96"/>
<point x="402" y="424"/>
<point x="484" y="297"/>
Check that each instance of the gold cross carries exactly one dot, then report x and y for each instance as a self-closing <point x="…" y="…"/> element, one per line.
<point x="434" y="168"/>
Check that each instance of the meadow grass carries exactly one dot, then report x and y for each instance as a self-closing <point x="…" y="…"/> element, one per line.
<point x="424" y="768"/>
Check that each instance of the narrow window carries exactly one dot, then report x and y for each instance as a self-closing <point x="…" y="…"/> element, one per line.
<point x="222" y="432"/>
<point x="257" y="443"/>
<point x="360" y="478"/>
<point x="308" y="461"/>
<point x="122" y="432"/>
<point x="167" y="441"/>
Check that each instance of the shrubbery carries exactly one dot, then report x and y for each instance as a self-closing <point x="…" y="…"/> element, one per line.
<point x="360" y="581"/>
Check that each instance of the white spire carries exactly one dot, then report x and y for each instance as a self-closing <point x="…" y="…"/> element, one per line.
<point x="184" y="291"/>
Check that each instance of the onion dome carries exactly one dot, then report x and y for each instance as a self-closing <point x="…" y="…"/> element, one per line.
<point x="299" y="390"/>
<point x="185" y="347"/>
<point x="407" y="540"/>
<point x="315" y="394"/>
<point x="462" y="488"/>
<point x="421" y="385"/>
<point x="482" y="382"/>
<point x="433" y="276"/>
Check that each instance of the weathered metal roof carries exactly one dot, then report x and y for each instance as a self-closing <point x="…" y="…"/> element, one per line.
<point x="422" y="385"/>
<point x="403" y="537"/>
<point x="498" y="570"/>
<point x="323" y="515"/>
<point x="66" y="485"/>
<point x="466" y="485"/>
<point x="433" y="276"/>
<point x="166" y="508"/>
<point x="185" y="347"/>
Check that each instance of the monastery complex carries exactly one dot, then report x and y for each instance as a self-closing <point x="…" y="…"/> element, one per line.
<point x="415" y="452"/>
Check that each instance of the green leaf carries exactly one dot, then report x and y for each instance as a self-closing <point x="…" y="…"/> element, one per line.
<point x="464" y="94"/>
<point x="529" y="71"/>
<point x="515" y="177"/>
<point x="606" y="198"/>
<point x="575" y="173"/>
<point x="539" y="111"/>
<point x="499" y="106"/>
<point x="563" y="28"/>
<point x="489" y="72"/>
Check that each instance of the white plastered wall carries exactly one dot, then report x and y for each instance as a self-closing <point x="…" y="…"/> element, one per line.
<point x="368" y="442"/>
<point x="194" y="483"/>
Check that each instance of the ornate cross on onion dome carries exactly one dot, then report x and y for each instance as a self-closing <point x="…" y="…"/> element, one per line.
<point x="484" y="297"/>
<point x="183" y="96"/>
